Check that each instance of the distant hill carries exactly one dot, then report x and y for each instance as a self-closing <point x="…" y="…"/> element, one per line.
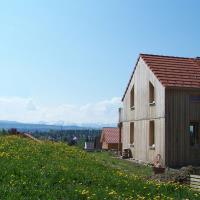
<point x="34" y="127"/>
<point x="46" y="127"/>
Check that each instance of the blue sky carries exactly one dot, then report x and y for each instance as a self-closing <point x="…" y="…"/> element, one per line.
<point x="58" y="58"/>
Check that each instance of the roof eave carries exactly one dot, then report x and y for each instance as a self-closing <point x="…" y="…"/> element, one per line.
<point x="182" y="87"/>
<point x="131" y="78"/>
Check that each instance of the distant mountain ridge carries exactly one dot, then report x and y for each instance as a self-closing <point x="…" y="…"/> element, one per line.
<point x="43" y="126"/>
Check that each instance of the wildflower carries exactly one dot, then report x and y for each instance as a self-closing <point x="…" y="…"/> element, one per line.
<point x="84" y="192"/>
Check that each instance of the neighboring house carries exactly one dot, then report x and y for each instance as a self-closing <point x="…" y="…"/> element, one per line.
<point x="93" y="144"/>
<point x="110" y="139"/>
<point x="97" y="143"/>
<point x="161" y="110"/>
<point x="89" y="146"/>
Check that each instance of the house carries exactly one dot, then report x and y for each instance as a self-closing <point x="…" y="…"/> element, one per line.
<point x="93" y="144"/>
<point x="89" y="146"/>
<point x="161" y="110"/>
<point x="110" y="139"/>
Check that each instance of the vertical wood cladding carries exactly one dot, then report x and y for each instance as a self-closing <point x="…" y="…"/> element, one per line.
<point x="180" y="111"/>
<point x="142" y="113"/>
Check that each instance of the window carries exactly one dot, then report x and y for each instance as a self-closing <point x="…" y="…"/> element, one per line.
<point x="195" y="98"/>
<point x="131" y="132"/>
<point x="151" y="94"/>
<point x="151" y="134"/>
<point x="132" y="98"/>
<point x="194" y="133"/>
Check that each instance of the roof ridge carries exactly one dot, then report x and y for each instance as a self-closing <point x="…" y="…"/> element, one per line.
<point x="166" y="56"/>
<point x="110" y="127"/>
<point x="196" y="61"/>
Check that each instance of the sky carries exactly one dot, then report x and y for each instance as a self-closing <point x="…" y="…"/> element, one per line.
<point x="70" y="61"/>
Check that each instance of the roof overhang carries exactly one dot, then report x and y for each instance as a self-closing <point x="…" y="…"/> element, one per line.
<point x="130" y="78"/>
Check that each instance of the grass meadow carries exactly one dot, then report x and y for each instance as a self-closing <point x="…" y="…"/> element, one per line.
<point x="46" y="170"/>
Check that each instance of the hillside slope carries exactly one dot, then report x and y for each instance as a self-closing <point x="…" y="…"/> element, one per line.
<point x="31" y="170"/>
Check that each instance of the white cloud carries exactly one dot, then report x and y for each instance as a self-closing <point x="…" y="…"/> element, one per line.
<point x="26" y="110"/>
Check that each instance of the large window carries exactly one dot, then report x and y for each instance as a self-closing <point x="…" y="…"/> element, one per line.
<point x="132" y="98"/>
<point x="132" y="133"/>
<point x="194" y="133"/>
<point x="151" y="134"/>
<point x="151" y="94"/>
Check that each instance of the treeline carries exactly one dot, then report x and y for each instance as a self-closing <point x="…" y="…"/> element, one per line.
<point x="3" y="132"/>
<point x="68" y="135"/>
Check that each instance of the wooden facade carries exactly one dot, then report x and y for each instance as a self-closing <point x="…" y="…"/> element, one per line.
<point x="161" y="119"/>
<point x="142" y="114"/>
<point x="181" y="110"/>
<point x="111" y="146"/>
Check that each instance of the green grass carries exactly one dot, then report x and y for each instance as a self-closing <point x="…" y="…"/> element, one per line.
<point x="48" y="170"/>
<point x="111" y="161"/>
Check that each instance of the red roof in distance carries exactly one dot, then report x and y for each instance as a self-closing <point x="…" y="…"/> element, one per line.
<point x="110" y="135"/>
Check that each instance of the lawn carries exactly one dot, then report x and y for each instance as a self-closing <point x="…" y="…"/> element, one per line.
<point x="111" y="161"/>
<point x="46" y="170"/>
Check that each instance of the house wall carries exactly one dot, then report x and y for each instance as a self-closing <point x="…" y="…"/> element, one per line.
<point x="104" y="145"/>
<point x="114" y="146"/>
<point x="142" y="114"/>
<point x="179" y="112"/>
<point x="107" y="146"/>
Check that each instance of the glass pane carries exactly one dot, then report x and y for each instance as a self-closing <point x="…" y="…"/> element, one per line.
<point x="194" y="131"/>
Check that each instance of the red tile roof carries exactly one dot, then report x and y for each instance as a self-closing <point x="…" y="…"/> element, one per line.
<point x="110" y="135"/>
<point x="173" y="71"/>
